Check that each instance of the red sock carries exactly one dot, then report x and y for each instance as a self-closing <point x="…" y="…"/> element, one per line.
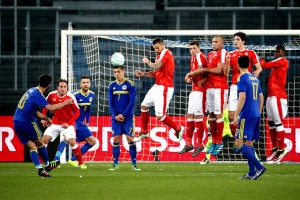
<point x="145" y="120"/>
<point x="189" y="131"/>
<point x="213" y="130"/>
<point x="232" y="129"/>
<point x="273" y="137"/>
<point x="219" y="135"/>
<point x="78" y="155"/>
<point x="280" y="139"/>
<point x="200" y="131"/>
<point x="169" y="122"/>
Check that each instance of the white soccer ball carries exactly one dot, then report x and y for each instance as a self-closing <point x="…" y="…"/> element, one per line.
<point x="117" y="59"/>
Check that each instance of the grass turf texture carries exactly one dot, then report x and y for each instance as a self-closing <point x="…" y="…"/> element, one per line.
<point x="170" y="181"/>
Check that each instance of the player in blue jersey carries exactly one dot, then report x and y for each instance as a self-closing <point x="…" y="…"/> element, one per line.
<point x="25" y="123"/>
<point x="121" y="96"/>
<point x="85" y="98"/>
<point x="247" y="117"/>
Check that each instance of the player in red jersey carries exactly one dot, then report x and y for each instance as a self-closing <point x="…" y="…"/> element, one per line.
<point x="277" y="101"/>
<point x="64" y="119"/>
<point x="196" y="99"/>
<point x="161" y="92"/>
<point x="239" y="42"/>
<point x="217" y="92"/>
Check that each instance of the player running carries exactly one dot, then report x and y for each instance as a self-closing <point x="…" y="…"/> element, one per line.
<point x="25" y="123"/>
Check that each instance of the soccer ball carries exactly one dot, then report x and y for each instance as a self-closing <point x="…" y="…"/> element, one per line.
<point x="117" y="59"/>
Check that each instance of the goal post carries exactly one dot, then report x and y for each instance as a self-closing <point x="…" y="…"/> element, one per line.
<point x="87" y="52"/>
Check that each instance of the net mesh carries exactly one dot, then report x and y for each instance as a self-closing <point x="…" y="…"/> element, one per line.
<point x="90" y="55"/>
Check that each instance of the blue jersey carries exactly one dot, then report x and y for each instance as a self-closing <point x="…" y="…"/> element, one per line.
<point x="249" y="84"/>
<point x="121" y="98"/>
<point x="29" y="104"/>
<point x="85" y="104"/>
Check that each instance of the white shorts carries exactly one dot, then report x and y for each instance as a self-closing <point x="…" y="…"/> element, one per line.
<point x="216" y="100"/>
<point x="195" y="106"/>
<point x="276" y="109"/>
<point x="159" y="96"/>
<point x="54" y="130"/>
<point x="233" y="98"/>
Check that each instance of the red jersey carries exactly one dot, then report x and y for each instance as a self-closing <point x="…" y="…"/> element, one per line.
<point x="197" y="61"/>
<point x="216" y="80"/>
<point x="234" y="55"/>
<point x="277" y="81"/>
<point x="67" y="114"/>
<point x="165" y="75"/>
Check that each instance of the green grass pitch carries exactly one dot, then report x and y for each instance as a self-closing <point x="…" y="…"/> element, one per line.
<point x="156" y="181"/>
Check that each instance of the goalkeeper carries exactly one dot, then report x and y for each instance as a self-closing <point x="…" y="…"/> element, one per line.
<point x="226" y="131"/>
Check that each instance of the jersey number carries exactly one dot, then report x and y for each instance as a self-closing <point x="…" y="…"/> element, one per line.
<point x="255" y="90"/>
<point x="22" y="101"/>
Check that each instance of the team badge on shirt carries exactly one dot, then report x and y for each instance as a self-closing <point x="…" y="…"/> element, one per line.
<point x="91" y="99"/>
<point x="124" y="87"/>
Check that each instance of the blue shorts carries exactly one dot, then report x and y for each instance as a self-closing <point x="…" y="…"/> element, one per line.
<point x="82" y="132"/>
<point x="249" y="129"/>
<point x="27" y="131"/>
<point x="126" y="127"/>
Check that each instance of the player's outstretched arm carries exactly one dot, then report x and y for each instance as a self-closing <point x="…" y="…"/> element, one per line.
<point x="139" y="73"/>
<point x="269" y="65"/>
<point x="153" y="66"/>
<point x="46" y="121"/>
<point x="59" y="105"/>
<point x="146" y="74"/>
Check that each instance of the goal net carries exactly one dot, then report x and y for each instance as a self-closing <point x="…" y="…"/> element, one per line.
<point x="88" y="53"/>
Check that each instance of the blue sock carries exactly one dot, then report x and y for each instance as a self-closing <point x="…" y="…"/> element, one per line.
<point x="116" y="152"/>
<point x="132" y="152"/>
<point x="42" y="151"/>
<point x="251" y="164"/>
<point x="61" y="147"/>
<point x="248" y="153"/>
<point x="83" y="150"/>
<point x="35" y="159"/>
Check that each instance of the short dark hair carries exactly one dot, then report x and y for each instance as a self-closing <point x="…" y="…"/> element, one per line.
<point x="45" y="80"/>
<point x="242" y="35"/>
<point x="194" y="42"/>
<point x="281" y="47"/>
<point x="157" y="40"/>
<point x="84" y="77"/>
<point x="219" y="36"/>
<point x="122" y="67"/>
<point x="243" y="61"/>
<point x="61" y="80"/>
